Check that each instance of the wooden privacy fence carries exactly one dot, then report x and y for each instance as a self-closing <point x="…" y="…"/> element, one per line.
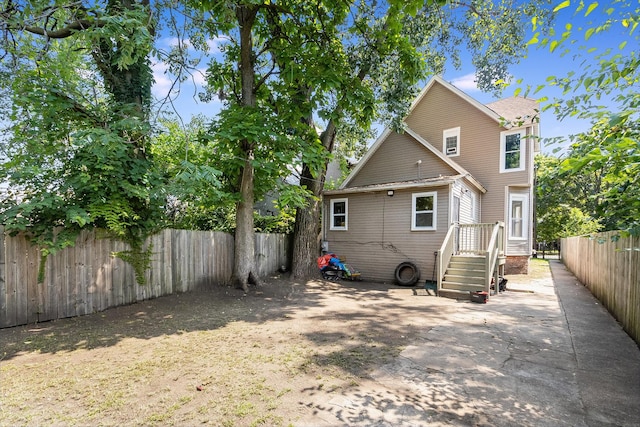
<point x="86" y="278"/>
<point x="610" y="269"/>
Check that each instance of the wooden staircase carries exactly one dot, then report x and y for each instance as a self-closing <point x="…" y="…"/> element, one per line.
<point x="471" y="256"/>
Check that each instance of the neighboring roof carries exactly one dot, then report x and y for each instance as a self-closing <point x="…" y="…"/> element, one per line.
<point x="516" y="108"/>
<point x="400" y="185"/>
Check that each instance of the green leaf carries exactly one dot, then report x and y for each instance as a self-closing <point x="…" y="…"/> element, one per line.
<point x="561" y="6"/>
<point x="591" y="8"/>
<point x="589" y="33"/>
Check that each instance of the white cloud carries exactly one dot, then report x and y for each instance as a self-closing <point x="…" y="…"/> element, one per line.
<point x="163" y="82"/>
<point x="214" y="44"/>
<point x="466" y="83"/>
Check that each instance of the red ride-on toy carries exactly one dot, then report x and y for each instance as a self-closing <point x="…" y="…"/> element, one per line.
<point x="332" y="268"/>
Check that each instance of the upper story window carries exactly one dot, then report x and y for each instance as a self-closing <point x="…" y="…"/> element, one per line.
<point x="512" y="153"/>
<point x="339" y="214"/>
<point x="423" y="211"/>
<point x="451" y="141"/>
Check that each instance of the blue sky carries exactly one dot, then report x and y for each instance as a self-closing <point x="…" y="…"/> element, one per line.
<point x="532" y="70"/>
<point x="540" y="63"/>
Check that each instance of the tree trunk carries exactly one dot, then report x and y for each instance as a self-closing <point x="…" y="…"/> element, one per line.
<point x="244" y="257"/>
<point x="306" y="229"/>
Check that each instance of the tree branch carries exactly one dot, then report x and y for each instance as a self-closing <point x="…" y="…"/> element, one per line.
<point x="69" y="30"/>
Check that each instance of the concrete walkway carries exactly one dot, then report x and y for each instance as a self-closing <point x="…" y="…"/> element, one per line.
<point x="545" y="353"/>
<point x="607" y="360"/>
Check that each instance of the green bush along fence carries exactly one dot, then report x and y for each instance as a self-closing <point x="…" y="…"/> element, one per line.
<point x="610" y="268"/>
<point x="87" y="278"/>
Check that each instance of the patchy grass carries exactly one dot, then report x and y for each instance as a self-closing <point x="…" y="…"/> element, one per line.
<point x="212" y="357"/>
<point x="539" y="268"/>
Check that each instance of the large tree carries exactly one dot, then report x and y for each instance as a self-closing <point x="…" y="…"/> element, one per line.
<point x="257" y="141"/>
<point x="78" y="80"/>
<point x="605" y="92"/>
<point x="314" y="71"/>
<point x="392" y="48"/>
<point x="566" y="205"/>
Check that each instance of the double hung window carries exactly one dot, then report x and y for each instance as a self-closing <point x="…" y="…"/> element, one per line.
<point x="339" y="214"/>
<point x="423" y="211"/>
<point x="512" y="153"/>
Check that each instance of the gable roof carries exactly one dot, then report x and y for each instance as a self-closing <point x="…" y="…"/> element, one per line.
<point x="477" y="104"/>
<point x="455" y="166"/>
<point x="512" y="109"/>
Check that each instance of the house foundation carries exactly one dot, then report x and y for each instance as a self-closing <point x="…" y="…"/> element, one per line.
<point x="517" y="265"/>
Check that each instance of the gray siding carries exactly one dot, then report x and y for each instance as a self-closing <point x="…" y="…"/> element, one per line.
<point x="380" y="237"/>
<point x="396" y="160"/>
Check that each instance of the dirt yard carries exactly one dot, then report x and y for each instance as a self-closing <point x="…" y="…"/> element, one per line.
<point x="282" y="355"/>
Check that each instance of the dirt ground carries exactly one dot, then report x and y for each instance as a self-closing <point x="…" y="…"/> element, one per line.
<point x="277" y="356"/>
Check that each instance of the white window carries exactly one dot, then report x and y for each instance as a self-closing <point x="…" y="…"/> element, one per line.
<point x="339" y="214"/>
<point x="451" y="141"/>
<point x="423" y="211"/>
<point x="518" y="211"/>
<point x="474" y="208"/>
<point x="512" y="151"/>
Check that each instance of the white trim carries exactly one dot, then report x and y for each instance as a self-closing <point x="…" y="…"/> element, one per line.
<point x="434" y="211"/>
<point x="515" y="197"/>
<point x="332" y="225"/>
<point x="503" y="148"/>
<point x="448" y="133"/>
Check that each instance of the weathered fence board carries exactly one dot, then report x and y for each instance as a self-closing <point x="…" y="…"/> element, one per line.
<point x="610" y="268"/>
<point x="87" y="278"/>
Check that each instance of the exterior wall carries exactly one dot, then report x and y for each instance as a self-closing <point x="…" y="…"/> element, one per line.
<point x="396" y="160"/>
<point x="379" y="235"/>
<point x="469" y="203"/>
<point x="479" y="148"/>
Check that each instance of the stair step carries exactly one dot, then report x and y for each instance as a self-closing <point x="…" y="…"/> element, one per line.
<point x="480" y="260"/>
<point x="464" y="272"/>
<point x="471" y="280"/>
<point x="462" y="286"/>
<point x="465" y="266"/>
<point x="454" y="294"/>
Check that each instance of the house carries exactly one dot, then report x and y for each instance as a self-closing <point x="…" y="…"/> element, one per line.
<point x="452" y="195"/>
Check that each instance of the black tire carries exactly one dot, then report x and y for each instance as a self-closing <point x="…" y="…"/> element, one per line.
<point x="407" y="274"/>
